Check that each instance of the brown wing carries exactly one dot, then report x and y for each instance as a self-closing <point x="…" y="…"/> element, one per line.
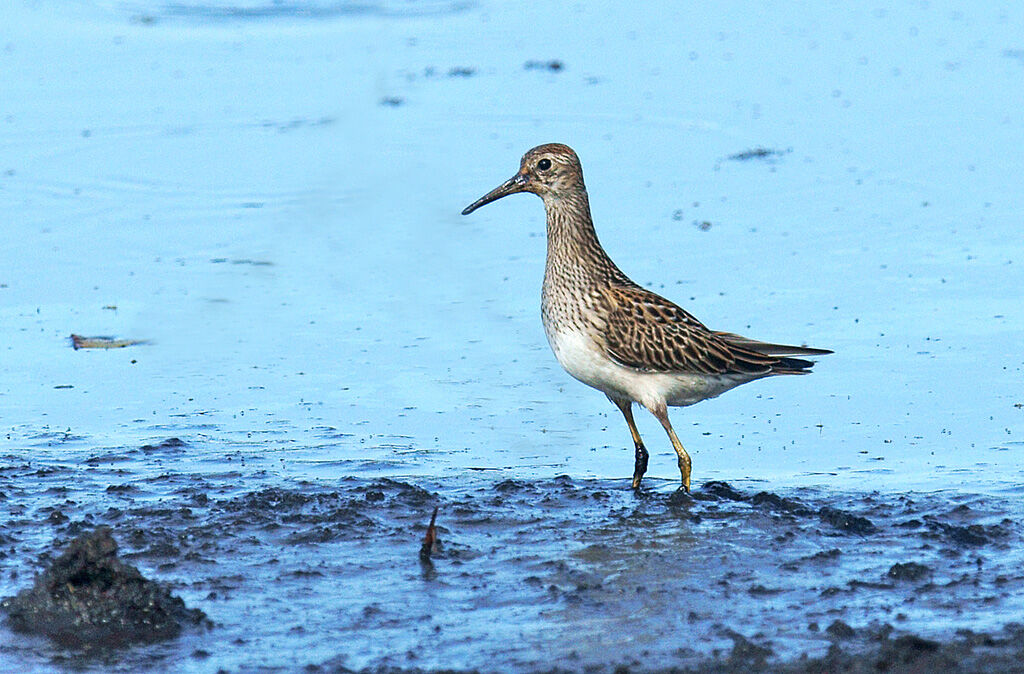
<point x="645" y="331"/>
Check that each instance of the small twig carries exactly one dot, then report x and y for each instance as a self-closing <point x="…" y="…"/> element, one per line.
<point x="429" y="539"/>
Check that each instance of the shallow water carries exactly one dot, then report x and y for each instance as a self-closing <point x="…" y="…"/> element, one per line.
<point x="269" y="194"/>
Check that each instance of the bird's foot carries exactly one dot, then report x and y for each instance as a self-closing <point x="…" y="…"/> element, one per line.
<point x="684" y="471"/>
<point x="640" y="466"/>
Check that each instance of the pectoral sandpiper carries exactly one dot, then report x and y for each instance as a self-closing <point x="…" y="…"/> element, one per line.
<point x="612" y="334"/>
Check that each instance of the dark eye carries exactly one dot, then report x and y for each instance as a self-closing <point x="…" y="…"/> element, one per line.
<point x="544" y="164"/>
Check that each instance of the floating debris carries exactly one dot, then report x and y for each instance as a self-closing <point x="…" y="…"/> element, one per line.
<point x="297" y="123"/>
<point x="80" y="342"/>
<point x="759" y="153"/>
<point x="244" y="260"/>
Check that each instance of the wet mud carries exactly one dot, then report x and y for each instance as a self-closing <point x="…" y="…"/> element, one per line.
<point x="89" y="598"/>
<point x="543" y="575"/>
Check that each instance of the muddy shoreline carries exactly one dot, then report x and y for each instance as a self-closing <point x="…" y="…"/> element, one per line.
<point x="552" y="574"/>
<point x="866" y="652"/>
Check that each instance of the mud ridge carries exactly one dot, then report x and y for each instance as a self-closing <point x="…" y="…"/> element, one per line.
<point x="89" y="598"/>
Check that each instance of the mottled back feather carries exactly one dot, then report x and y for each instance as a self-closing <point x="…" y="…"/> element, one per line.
<point x="648" y="332"/>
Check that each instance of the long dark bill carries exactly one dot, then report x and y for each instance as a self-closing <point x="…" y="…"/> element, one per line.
<point x="516" y="183"/>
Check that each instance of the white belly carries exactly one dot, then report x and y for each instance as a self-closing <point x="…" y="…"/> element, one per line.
<point x="584" y="360"/>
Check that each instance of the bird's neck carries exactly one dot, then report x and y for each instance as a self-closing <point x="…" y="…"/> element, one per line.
<point x="572" y="241"/>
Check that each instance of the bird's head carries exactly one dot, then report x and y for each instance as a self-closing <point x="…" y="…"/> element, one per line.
<point x="548" y="171"/>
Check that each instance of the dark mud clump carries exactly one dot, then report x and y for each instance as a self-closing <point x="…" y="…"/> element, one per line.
<point x="719" y="490"/>
<point x="840" y="519"/>
<point x="88" y="597"/>
<point x="168" y="444"/>
<point x="972" y="535"/>
<point x="911" y="571"/>
<point x="845" y="522"/>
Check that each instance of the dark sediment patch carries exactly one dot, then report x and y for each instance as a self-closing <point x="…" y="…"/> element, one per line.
<point x="89" y="598"/>
<point x="553" y="65"/>
<point x="762" y="153"/>
<point x="165" y="445"/>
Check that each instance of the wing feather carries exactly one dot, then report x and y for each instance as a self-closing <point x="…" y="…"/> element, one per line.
<point x="648" y="332"/>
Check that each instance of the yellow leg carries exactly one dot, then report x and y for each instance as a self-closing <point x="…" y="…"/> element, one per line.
<point x="683" y="458"/>
<point x="640" y="464"/>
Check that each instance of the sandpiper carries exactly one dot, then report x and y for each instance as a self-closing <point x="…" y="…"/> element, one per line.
<point x="612" y="334"/>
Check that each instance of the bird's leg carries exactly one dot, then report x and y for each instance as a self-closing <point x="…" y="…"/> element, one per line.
<point x="684" y="458"/>
<point x="640" y="466"/>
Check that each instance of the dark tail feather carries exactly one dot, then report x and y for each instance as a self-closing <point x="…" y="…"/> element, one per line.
<point x="766" y="349"/>
<point x="793" y="366"/>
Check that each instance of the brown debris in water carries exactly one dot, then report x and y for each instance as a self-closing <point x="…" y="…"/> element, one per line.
<point x="80" y="342"/>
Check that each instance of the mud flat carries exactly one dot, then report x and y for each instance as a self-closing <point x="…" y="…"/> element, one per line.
<point x="867" y="653"/>
<point x="554" y="574"/>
